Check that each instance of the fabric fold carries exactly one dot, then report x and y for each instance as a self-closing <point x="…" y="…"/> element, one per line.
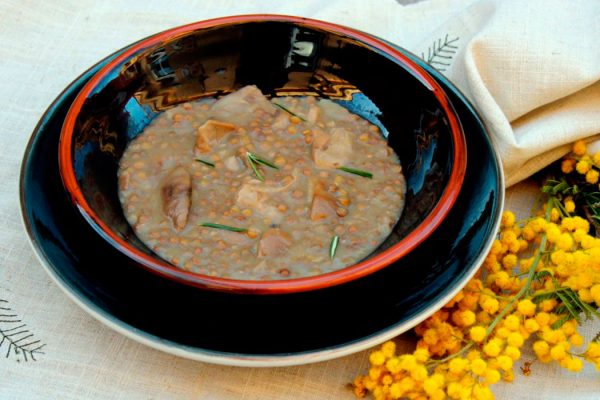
<point x="532" y="70"/>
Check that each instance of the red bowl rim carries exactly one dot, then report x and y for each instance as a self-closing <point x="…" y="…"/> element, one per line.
<point x="361" y="269"/>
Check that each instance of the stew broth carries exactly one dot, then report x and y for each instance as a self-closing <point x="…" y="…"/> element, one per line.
<point x="244" y="187"/>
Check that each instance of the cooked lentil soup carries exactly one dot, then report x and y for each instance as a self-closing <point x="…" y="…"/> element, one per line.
<point x="244" y="187"/>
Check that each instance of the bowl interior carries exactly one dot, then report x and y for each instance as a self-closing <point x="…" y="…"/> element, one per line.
<point x="282" y="58"/>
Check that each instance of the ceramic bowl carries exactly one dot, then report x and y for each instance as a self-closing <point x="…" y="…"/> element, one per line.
<point x="215" y="57"/>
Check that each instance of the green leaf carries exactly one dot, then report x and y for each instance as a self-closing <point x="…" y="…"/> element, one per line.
<point x="561" y="310"/>
<point x="571" y="310"/>
<point x="560" y="322"/>
<point x="593" y="311"/>
<point x="575" y="190"/>
<point x="571" y="306"/>
<point x="540" y="275"/>
<point x="538" y="298"/>
<point x="579" y="304"/>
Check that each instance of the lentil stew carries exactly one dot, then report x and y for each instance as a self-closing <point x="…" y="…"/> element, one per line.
<point x="248" y="188"/>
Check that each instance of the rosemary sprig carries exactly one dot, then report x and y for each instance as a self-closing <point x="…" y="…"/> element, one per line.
<point x="256" y="171"/>
<point x="261" y="160"/>
<point x="357" y="172"/>
<point x="289" y="111"/>
<point x="224" y="227"/>
<point x="205" y="163"/>
<point x="333" y="246"/>
<point x="254" y="160"/>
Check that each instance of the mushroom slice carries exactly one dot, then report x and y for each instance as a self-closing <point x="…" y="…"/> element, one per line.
<point x="241" y="106"/>
<point x="334" y="112"/>
<point x="235" y="238"/>
<point x="323" y="206"/>
<point x="176" y="195"/>
<point x="313" y="114"/>
<point x="233" y="163"/>
<point x="252" y="196"/>
<point x="281" y="122"/>
<point x="333" y="149"/>
<point x="262" y="198"/>
<point x="210" y="133"/>
<point x="274" y="242"/>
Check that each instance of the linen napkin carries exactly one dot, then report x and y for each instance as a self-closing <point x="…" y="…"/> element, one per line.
<point x="532" y="69"/>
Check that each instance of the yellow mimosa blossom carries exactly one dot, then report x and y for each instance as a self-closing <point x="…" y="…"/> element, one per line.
<point x="492" y="376"/>
<point x="592" y="176"/>
<point x="526" y="307"/>
<point x="477" y="333"/>
<point x="568" y="165"/>
<point x="536" y="280"/>
<point x="579" y="148"/>
<point x="512" y="322"/>
<point x="478" y="366"/>
<point x="582" y="167"/>
<point x="493" y="347"/>
<point x="569" y="205"/>
<point x="515" y="339"/>
<point x="377" y="358"/>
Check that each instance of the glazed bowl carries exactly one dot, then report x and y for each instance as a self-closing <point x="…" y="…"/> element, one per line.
<point x="215" y="57"/>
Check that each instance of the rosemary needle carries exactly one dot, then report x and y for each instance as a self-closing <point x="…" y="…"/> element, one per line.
<point x="225" y="227"/>
<point x="289" y="112"/>
<point x="205" y="163"/>
<point x="357" y="172"/>
<point x="333" y="246"/>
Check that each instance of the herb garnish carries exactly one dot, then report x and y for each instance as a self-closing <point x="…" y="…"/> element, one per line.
<point x="333" y="246"/>
<point x="289" y="111"/>
<point x="225" y="227"/>
<point x="254" y="159"/>
<point x="205" y="163"/>
<point x="357" y="172"/>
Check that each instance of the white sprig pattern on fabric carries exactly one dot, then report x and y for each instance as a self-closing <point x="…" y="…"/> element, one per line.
<point x="441" y="52"/>
<point x="15" y="337"/>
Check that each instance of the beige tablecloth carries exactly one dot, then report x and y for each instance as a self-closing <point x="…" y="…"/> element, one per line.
<point x="46" y="44"/>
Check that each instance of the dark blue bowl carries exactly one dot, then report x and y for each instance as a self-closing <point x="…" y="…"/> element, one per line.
<point x="211" y="58"/>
